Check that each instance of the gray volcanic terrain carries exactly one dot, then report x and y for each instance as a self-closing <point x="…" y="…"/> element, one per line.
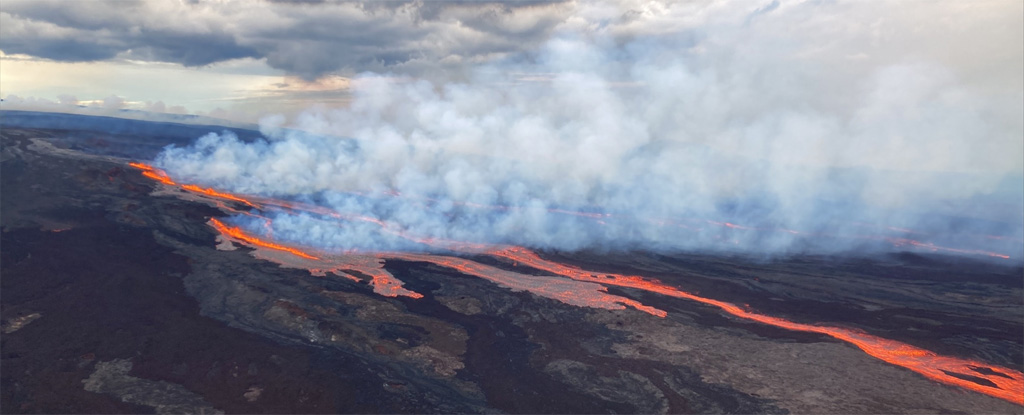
<point x="118" y="296"/>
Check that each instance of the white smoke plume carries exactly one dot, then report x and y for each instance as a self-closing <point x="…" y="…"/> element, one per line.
<point x="783" y="118"/>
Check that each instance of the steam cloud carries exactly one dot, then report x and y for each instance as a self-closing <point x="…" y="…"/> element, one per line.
<point x="737" y="122"/>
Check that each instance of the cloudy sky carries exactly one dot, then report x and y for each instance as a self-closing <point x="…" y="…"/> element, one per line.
<point x="803" y="114"/>
<point x="244" y="59"/>
<point x="249" y="56"/>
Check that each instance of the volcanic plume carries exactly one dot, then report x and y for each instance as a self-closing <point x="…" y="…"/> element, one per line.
<point x="587" y="144"/>
<point x="680" y="143"/>
<point x="582" y="288"/>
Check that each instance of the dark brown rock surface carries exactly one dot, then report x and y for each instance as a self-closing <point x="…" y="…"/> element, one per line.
<point x="115" y="300"/>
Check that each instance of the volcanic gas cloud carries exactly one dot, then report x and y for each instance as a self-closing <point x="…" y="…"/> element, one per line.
<point x="568" y="284"/>
<point x="636" y="154"/>
<point x="681" y="143"/>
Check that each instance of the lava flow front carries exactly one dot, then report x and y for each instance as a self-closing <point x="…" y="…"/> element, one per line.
<point x="237" y="233"/>
<point x="583" y="288"/>
<point x="1005" y="383"/>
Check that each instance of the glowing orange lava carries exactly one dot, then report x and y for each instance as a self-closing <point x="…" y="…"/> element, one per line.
<point x="214" y="193"/>
<point x="154" y="174"/>
<point x="935" y="367"/>
<point x="159" y="176"/>
<point x="162" y="177"/>
<point x="381" y="280"/>
<point x="385" y="284"/>
<point x="581" y="294"/>
<point x="589" y="289"/>
<point x="141" y="166"/>
<point x="237" y="233"/>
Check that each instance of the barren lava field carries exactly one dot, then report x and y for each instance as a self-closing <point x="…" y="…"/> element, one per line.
<point x="124" y="291"/>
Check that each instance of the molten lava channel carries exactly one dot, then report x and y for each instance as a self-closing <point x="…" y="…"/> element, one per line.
<point x="162" y="177"/>
<point x="237" y="233"/>
<point x="578" y="293"/>
<point x="589" y="289"/>
<point x="1009" y="383"/>
<point x="220" y="195"/>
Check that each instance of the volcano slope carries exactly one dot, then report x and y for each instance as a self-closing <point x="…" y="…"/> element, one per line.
<point x="119" y="296"/>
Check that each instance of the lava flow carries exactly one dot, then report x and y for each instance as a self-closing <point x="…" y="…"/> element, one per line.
<point x="154" y="174"/>
<point x="345" y="265"/>
<point x="588" y="289"/>
<point x="162" y="177"/>
<point x="237" y="233"/>
<point x="1009" y="386"/>
<point x="583" y="294"/>
<point x="214" y="193"/>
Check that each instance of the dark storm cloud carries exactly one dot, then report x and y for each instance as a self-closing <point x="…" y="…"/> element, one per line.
<point x="91" y="31"/>
<point x="306" y="38"/>
<point x="189" y="49"/>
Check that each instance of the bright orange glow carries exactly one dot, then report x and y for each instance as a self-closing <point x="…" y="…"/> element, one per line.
<point x="588" y="289"/>
<point x="238" y="234"/>
<point x="935" y="367"/>
<point x="141" y="166"/>
<point x="162" y="177"/>
<point x="153" y="173"/>
<point x="385" y="284"/>
<point x="159" y="176"/>
<point x="381" y="280"/>
<point x="214" y="193"/>
<point x="581" y="294"/>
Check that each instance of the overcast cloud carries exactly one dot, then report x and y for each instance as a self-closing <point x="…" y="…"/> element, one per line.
<point x="425" y="38"/>
<point x="304" y="38"/>
<point x="807" y="115"/>
<point x="813" y="116"/>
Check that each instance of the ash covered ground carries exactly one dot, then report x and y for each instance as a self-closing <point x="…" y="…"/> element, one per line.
<point x="116" y="299"/>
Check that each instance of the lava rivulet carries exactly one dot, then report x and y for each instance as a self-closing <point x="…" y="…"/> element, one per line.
<point x="214" y="193"/>
<point x="237" y="233"/>
<point x="931" y="365"/>
<point x="384" y="283"/>
<point x="154" y="174"/>
<point x="162" y="177"/>
<point x="583" y="294"/>
<point x="344" y="265"/>
<point x="588" y="289"/>
<point x="141" y="166"/>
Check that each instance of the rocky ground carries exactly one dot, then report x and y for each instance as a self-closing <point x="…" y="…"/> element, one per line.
<point x="116" y="300"/>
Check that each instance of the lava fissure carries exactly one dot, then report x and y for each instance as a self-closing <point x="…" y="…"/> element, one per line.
<point x="1009" y="384"/>
<point x="237" y="233"/>
<point x="583" y="294"/>
<point x="588" y="289"/>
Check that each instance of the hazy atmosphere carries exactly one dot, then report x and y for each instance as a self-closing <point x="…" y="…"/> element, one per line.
<point x="776" y="116"/>
<point x="578" y="207"/>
